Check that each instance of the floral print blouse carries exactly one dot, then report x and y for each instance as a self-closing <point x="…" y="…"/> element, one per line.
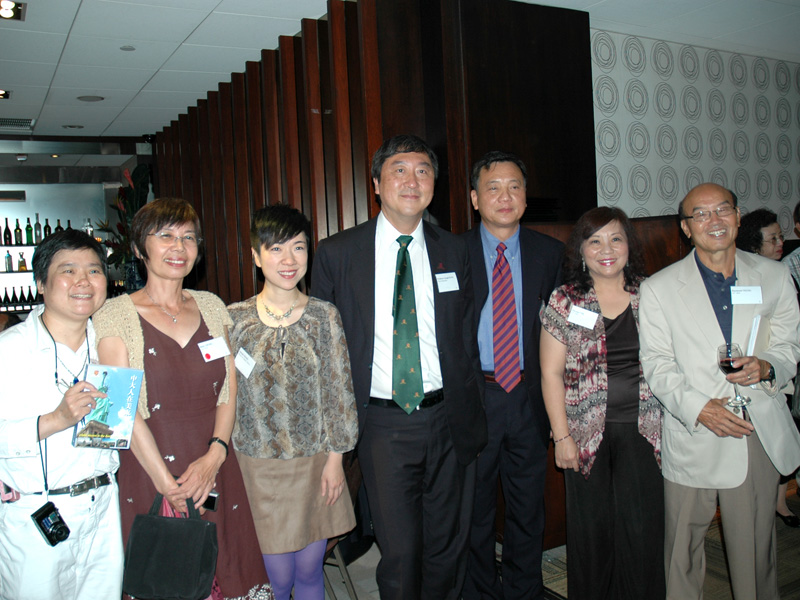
<point x="586" y="378"/>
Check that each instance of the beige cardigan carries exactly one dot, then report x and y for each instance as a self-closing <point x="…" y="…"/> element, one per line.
<point x="118" y="318"/>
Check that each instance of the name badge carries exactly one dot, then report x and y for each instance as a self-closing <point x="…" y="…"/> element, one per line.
<point x="244" y="362"/>
<point x="447" y="282"/>
<point x="213" y="349"/>
<point x="746" y="294"/>
<point x="581" y="316"/>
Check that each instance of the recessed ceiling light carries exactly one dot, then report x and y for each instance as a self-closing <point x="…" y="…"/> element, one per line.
<point x="91" y="98"/>
<point x="5" y="94"/>
<point x="72" y="126"/>
<point x="12" y="10"/>
<point x="127" y="48"/>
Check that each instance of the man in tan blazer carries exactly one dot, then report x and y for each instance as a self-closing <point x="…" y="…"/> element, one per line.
<point x="712" y="452"/>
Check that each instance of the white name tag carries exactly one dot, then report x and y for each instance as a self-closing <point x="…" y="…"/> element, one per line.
<point x="213" y="349"/>
<point x="746" y="294"/>
<point x="581" y="316"/>
<point x="447" y="282"/>
<point x="244" y="362"/>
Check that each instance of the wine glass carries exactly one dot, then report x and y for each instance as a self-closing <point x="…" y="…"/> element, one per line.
<point x="725" y="355"/>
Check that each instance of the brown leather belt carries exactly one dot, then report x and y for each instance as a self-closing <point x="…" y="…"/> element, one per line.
<point x="90" y="483"/>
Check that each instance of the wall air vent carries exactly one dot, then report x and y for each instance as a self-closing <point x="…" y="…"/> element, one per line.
<point x="17" y="124"/>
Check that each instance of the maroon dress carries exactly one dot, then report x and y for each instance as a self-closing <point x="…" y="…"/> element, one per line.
<point x="182" y="391"/>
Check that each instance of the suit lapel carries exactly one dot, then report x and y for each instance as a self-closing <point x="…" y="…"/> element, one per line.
<point x="362" y="276"/>
<point x="480" y="280"/>
<point x="697" y="306"/>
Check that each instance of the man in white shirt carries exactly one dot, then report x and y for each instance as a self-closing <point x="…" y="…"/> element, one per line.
<point x="43" y="362"/>
<point x="420" y="433"/>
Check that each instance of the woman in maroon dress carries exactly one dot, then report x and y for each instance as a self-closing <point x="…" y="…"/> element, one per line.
<point x="188" y="402"/>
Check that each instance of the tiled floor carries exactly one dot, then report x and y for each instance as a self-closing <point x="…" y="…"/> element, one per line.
<point x="362" y="573"/>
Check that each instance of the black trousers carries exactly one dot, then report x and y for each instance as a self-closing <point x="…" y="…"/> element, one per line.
<point x="416" y="491"/>
<point x="615" y="521"/>
<point x="518" y="456"/>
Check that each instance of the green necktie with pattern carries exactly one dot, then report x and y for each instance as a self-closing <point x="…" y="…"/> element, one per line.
<point x="407" y="388"/>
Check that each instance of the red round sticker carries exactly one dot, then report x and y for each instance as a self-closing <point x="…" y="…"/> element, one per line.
<point x="208" y="356"/>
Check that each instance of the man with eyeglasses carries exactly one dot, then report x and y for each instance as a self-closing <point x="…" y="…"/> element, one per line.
<point x="713" y="452"/>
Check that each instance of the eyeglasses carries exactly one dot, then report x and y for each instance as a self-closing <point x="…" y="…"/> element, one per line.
<point x="701" y="216"/>
<point x="774" y="240"/>
<point x="167" y="239"/>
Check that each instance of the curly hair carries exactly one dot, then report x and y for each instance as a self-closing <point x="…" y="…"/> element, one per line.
<point x="750" y="237"/>
<point x="589" y="223"/>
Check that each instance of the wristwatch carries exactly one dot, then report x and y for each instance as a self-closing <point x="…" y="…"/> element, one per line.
<point x="771" y="374"/>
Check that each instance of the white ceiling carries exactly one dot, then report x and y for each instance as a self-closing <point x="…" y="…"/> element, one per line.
<point x="184" y="48"/>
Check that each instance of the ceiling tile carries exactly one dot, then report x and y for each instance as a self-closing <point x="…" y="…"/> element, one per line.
<point x="68" y="96"/>
<point x="48" y="16"/>
<point x="31" y="46"/>
<point x="186" y="81"/>
<point x="105" y="52"/>
<point x="137" y="21"/>
<point x="23" y="95"/>
<point x="239" y="31"/>
<point x="190" y="57"/>
<point x="298" y="9"/>
<point x="782" y="35"/>
<point x="726" y="17"/>
<point x="639" y="12"/>
<point x="100" y="77"/>
<point x="173" y="100"/>
<point x="14" y="72"/>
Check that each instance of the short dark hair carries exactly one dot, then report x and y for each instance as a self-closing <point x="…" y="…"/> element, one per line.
<point x="69" y="239"/>
<point x="277" y="224"/>
<point x="398" y="145"/>
<point x="750" y="237"/>
<point x="590" y="222"/>
<point x="796" y="213"/>
<point x="160" y="213"/>
<point x="493" y="157"/>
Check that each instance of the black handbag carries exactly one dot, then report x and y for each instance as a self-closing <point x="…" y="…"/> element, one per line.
<point x="170" y="558"/>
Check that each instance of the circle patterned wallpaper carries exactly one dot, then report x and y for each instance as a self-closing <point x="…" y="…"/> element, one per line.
<point x="670" y="116"/>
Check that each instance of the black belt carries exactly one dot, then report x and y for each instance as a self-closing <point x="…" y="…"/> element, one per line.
<point x="90" y="483"/>
<point x="489" y="376"/>
<point x="430" y="399"/>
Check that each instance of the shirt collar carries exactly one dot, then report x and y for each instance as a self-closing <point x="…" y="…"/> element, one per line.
<point x="490" y="243"/>
<point x="711" y="275"/>
<point x="386" y="234"/>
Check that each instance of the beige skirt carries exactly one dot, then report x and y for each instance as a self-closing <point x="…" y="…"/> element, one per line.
<point x="287" y="504"/>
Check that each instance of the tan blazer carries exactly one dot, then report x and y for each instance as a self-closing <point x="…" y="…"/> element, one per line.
<point x="679" y="336"/>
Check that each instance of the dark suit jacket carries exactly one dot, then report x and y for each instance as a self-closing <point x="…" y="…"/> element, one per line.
<point x="541" y="274"/>
<point x="344" y="274"/>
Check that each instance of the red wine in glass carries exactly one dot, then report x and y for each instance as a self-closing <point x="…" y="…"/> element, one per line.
<point x="726" y="353"/>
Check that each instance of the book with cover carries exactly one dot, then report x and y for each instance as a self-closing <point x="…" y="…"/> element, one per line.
<point x="110" y="424"/>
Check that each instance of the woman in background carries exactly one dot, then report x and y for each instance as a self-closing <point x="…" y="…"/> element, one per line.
<point x="187" y="406"/>
<point x="760" y="233"/>
<point x="606" y="424"/>
<point x="296" y="409"/>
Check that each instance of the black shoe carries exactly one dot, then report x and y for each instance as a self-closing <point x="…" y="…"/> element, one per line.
<point x="791" y="520"/>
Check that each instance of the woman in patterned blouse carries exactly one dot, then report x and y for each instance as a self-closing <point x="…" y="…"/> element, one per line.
<point x="605" y="422"/>
<point x="296" y="412"/>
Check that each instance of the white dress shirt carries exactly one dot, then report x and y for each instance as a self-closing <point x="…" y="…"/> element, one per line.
<point x="386" y="248"/>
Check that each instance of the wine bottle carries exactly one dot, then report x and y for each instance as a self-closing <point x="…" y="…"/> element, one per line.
<point x="47" y="230"/>
<point x="58" y="226"/>
<point x="3" y="305"/>
<point x="7" y="234"/>
<point x="18" y="234"/>
<point x="37" y="299"/>
<point x="37" y="231"/>
<point x="22" y="265"/>
<point x="29" y="232"/>
<point x="7" y="302"/>
<point x="23" y="299"/>
<point x="9" y="262"/>
<point x="14" y="301"/>
<point x="69" y="224"/>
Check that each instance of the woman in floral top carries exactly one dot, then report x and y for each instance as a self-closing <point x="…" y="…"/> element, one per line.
<point x="605" y="422"/>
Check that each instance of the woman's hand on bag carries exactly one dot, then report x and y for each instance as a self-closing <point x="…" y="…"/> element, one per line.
<point x="333" y="481"/>
<point x="199" y="478"/>
<point x="567" y="454"/>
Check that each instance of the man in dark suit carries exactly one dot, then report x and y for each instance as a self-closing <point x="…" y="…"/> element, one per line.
<point x="518" y="267"/>
<point x="419" y="405"/>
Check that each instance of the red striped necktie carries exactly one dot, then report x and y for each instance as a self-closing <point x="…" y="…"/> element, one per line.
<point x="504" y="324"/>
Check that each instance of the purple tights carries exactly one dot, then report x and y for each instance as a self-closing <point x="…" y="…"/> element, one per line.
<point x="301" y="570"/>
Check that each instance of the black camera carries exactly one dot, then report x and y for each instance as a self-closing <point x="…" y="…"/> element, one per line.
<point x="49" y="522"/>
